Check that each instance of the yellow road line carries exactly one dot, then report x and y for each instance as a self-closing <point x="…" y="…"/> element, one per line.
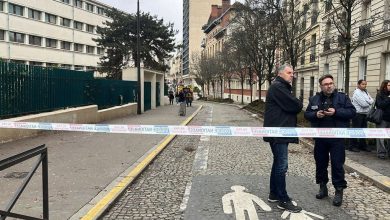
<point x="98" y="209"/>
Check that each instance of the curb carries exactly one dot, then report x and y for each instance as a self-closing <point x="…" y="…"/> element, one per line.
<point x="95" y="208"/>
<point x="379" y="180"/>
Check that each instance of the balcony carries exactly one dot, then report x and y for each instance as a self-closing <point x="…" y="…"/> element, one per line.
<point x="302" y="60"/>
<point x="312" y="57"/>
<point x="341" y="40"/>
<point x="364" y="31"/>
<point x="326" y="45"/>
<point x="304" y="25"/>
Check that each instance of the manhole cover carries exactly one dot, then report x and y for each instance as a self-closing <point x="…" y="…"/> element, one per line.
<point x="16" y="175"/>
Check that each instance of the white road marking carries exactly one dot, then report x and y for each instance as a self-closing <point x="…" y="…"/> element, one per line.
<point x="186" y="196"/>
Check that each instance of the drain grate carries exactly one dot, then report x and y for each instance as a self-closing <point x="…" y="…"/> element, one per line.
<point x="16" y="175"/>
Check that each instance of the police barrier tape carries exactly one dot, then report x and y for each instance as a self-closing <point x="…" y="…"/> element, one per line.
<point x="205" y="130"/>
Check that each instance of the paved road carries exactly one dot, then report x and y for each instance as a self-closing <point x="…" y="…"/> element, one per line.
<point x="190" y="178"/>
<point x="80" y="164"/>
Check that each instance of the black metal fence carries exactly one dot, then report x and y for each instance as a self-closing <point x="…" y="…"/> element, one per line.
<point x="40" y="151"/>
<point x="28" y="89"/>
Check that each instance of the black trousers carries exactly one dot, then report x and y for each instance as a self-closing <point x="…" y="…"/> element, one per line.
<point x="333" y="148"/>
<point x="359" y="121"/>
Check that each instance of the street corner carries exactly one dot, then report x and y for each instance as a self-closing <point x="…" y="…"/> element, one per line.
<point x="245" y="197"/>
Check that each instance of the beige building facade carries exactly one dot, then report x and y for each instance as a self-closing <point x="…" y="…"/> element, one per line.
<point x="195" y="15"/>
<point x="371" y="60"/>
<point x="51" y="32"/>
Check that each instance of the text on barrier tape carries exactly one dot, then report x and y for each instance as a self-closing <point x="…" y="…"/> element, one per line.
<point x="205" y="130"/>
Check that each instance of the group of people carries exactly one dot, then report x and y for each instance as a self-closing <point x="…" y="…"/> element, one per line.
<point x="327" y="109"/>
<point x="184" y="97"/>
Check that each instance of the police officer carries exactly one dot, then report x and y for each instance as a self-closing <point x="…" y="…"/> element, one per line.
<point x="330" y="109"/>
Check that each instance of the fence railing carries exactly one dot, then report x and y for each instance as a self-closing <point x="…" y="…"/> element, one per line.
<point x="28" y="89"/>
<point x="40" y="151"/>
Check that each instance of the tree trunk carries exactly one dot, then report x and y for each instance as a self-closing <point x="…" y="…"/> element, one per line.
<point x="230" y="88"/>
<point x="346" y="71"/>
<point x="259" y="89"/>
<point x="242" y="91"/>
<point x="221" y="81"/>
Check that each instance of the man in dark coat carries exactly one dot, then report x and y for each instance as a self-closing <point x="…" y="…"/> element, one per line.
<point x="330" y="109"/>
<point x="281" y="109"/>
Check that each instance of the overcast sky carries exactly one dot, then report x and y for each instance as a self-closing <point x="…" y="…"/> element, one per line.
<point x="169" y="10"/>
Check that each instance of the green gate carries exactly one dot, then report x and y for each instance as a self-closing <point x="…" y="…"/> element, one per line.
<point x="157" y="94"/>
<point x="147" y="96"/>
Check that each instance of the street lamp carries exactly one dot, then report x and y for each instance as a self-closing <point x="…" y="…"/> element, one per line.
<point x="138" y="62"/>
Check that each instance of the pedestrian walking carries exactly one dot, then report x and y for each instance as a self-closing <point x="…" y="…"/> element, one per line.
<point x="329" y="109"/>
<point x="362" y="102"/>
<point x="383" y="102"/>
<point x="182" y="101"/>
<point x="281" y="109"/>
<point x="171" y="97"/>
<point x="189" y="97"/>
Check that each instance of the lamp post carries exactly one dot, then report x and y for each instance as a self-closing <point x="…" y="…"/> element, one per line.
<point x="138" y="62"/>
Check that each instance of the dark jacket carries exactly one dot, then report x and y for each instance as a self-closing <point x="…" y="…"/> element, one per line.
<point x="182" y="97"/>
<point x="383" y="102"/>
<point x="281" y="109"/>
<point x="345" y="111"/>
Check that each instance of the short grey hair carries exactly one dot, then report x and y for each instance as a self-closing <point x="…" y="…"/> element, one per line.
<point x="283" y="67"/>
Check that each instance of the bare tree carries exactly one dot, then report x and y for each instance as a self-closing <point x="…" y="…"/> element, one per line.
<point x="350" y="31"/>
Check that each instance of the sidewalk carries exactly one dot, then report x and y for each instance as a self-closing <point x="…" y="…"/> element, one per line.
<point x="80" y="164"/>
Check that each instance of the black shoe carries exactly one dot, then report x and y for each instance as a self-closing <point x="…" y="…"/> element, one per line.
<point x="323" y="191"/>
<point x="289" y="206"/>
<point x="272" y="198"/>
<point x="338" y="197"/>
<point x="353" y="149"/>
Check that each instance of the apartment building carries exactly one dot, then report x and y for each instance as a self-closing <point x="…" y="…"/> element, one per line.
<point x="195" y="15"/>
<point x="51" y="32"/>
<point x="370" y="60"/>
<point x="307" y="69"/>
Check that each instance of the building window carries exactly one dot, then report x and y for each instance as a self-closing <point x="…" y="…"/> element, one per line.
<point x="33" y="63"/>
<point x="90" y="28"/>
<point x="78" y="25"/>
<point x="79" y="68"/>
<point x="302" y="90"/>
<point x="90" y="49"/>
<point x="362" y="68"/>
<point x="16" y="37"/>
<point x="18" y="61"/>
<point x="78" y="47"/>
<point x="366" y="11"/>
<point x="15" y="9"/>
<point x="100" y="51"/>
<point x="90" y="7"/>
<point x="66" y="66"/>
<point x="34" y="14"/>
<point x="311" y="86"/>
<point x="78" y="3"/>
<point x="35" y="40"/>
<point x="91" y="68"/>
<point x="326" y="68"/>
<point x="52" y="65"/>
<point x="1" y="6"/>
<point x="2" y="35"/>
<point x="51" y="18"/>
<point x="51" y="43"/>
<point x="340" y="76"/>
<point x="65" y="1"/>
<point x="100" y="11"/>
<point x="65" y="22"/>
<point x="65" y="45"/>
<point x="387" y="66"/>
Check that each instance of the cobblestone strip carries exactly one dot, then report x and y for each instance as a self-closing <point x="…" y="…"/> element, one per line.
<point x="158" y="191"/>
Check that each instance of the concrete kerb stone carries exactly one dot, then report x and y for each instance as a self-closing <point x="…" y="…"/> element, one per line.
<point x="90" y="205"/>
<point x="379" y="180"/>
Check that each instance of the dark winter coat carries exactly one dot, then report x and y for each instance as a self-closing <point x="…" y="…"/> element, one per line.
<point x="383" y="102"/>
<point x="345" y="111"/>
<point x="281" y="109"/>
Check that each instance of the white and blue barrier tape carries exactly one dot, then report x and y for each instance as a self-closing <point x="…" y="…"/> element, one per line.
<point x="205" y="130"/>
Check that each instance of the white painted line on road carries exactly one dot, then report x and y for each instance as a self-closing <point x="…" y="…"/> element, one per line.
<point x="186" y="197"/>
<point x="201" y="157"/>
<point x="204" y="138"/>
